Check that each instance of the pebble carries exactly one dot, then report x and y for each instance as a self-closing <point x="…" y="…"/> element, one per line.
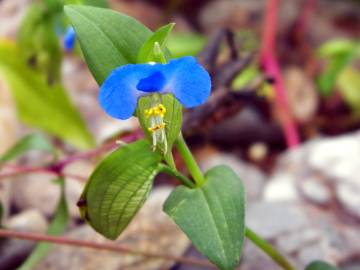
<point x="272" y="219"/>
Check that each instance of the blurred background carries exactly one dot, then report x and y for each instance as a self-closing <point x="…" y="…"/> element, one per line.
<point x="284" y="114"/>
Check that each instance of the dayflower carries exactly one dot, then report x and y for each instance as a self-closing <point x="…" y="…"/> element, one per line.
<point x="185" y="78"/>
<point x="69" y="39"/>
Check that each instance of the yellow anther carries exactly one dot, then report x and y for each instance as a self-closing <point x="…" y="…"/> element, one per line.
<point x="156" y="127"/>
<point x="158" y="110"/>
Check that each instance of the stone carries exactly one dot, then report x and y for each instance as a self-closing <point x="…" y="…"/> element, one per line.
<point x="293" y="242"/>
<point x="38" y="191"/>
<point x="29" y="220"/>
<point x="281" y="187"/>
<point x="151" y="230"/>
<point x="348" y="196"/>
<point x="315" y="191"/>
<point x="337" y="158"/>
<point x="272" y="219"/>
<point x="252" y="178"/>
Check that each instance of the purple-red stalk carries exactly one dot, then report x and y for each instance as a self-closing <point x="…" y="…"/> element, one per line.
<point x="272" y="70"/>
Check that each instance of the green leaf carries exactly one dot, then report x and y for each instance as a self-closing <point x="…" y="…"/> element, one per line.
<point x="172" y="118"/>
<point x="27" y="143"/>
<point x="40" y="105"/>
<point x="335" y="47"/>
<point x="348" y="83"/>
<point x="146" y="53"/>
<point x="328" y="78"/>
<point x="108" y="39"/>
<point x="181" y="44"/>
<point x="212" y="216"/>
<point x="245" y="77"/>
<point x="38" y="43"/>
<point x="56" y="227"/>
<point x="320" y="265"/>
<point x="119" y="187"/>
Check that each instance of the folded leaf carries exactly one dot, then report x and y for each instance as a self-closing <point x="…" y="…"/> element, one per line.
<point x="212" y="216"/>
<point x="119" y="187"/>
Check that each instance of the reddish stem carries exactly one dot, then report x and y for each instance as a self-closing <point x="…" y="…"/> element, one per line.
<point x="58" y="167"/>
<point x="99" y="246"/>
<point x="272" y="69"/>
<point x="20" y="170"/>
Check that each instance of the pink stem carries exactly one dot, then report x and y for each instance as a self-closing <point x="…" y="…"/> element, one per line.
<point x="272" y="69"/>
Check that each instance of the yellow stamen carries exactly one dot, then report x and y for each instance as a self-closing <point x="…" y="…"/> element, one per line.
<point x="156" y="127"/>
<point x="158" y="110"/>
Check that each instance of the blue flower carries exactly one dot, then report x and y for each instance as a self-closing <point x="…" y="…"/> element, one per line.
<point x="69" y="39"/>
<point x="185" y="78"/>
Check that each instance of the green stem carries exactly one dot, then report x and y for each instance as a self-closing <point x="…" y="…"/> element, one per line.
<point x="186" y="181"/>
<point x="268" y="249"/>
<point x="169" y="159"/>
<point x="189" y="160"/>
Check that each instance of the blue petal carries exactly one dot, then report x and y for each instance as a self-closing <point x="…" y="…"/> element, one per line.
<point x="118" y="94"/>
<point x="187" y="80"/>
<point x="153" y="83"/>
<point x="69" y="39"/>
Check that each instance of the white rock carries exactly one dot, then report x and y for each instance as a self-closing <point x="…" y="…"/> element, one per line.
<point x="290" y="243"/>
<point x="39" y="192"/>
<point x="338" y="158"/>
<point x="349" y="197"/>
<point x="281" y="187"/>
<point x="29" y="220"/>
<point x="271" y="220"/>
<point x="315" y="191"/>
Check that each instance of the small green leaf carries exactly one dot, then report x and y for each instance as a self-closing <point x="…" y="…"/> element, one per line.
<point x="320" y="265"/>
<point x="40" y="105"/>
<point x="146" y="53"/>
<point x="56" y="227"/>
<point x="108" y="39"/>
<point x="212" y="216"/>
<point x="245" y="77"/>
<point x="335" y="47"/>
<point x="348" y="83"/>
<point x="328" y="78"/>
<point x="119" y="187"/>
<point x="181" y="44"/>
<point x="27" y="143"/>
<point x="172" y="119"/>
